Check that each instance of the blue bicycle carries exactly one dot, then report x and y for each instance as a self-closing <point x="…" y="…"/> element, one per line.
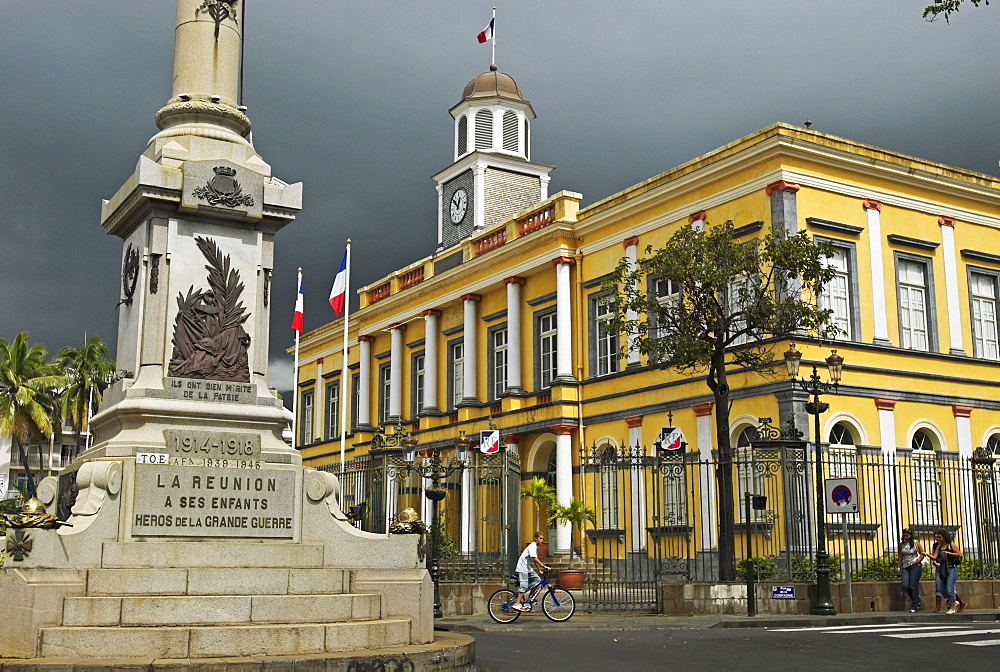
<point x="557" y="604"/>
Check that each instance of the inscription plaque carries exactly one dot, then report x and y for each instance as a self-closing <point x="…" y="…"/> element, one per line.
<point x="178" y="501"/>
<point x="215" y="445"/>
<point x="210" y="390"/>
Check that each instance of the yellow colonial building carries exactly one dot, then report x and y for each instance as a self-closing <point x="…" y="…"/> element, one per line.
<point x="503" y="326"/>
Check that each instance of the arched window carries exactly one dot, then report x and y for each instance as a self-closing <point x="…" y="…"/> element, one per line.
<point x="484" y="129"/>
<point x="510" y="126"/>
<point x="993" y="444"/>
<point x="843" y="455"/>
<point x="463" y="135"/>
<point x="926" y="487"/>
<point x="750" y="478"/>
<point x="609" y="487"/>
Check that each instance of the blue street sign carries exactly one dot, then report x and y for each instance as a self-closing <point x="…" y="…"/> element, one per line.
<point x="782" y="592"/>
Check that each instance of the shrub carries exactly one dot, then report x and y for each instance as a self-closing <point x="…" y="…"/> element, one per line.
<point x="766" y="570"/>
<point x="877" y="569"/>
<point x="803" y="565"/>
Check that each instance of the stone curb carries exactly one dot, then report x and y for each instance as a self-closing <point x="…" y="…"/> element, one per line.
<point x="449" y="651"/>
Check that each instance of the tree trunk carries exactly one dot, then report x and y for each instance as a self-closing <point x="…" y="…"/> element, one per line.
<point x="724" y="475"/>
<point x="27" y="468"/>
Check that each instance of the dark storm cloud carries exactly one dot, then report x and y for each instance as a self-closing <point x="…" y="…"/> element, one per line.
<point x="351" y="98"/>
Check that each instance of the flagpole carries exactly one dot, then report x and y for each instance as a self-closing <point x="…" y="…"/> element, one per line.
<point x="493" y="46"/>
<point x="295" y="374"/>
<point x="344" y="376"/>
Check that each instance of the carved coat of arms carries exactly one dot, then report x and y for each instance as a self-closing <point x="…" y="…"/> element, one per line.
<point x="209" y="340"/>
<point x="224" y="189"/>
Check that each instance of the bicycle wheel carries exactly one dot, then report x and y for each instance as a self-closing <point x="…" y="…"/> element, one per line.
<point x="499" y="606"/>
<point x="558" y="605"/>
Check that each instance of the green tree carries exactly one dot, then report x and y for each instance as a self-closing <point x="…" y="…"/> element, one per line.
<point x="575" y="513"/>
<point x="29" y="396"/>
<point x="539" y="492"/>
<point x="720" y="304"/>
<point x="88" y="372"/>
<point x="946" y="8"/>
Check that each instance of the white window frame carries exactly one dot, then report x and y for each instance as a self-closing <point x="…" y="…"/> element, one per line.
<point x="333" y="410"/>
<point x="983" y="297"/>
<point x="499" y="344"/>
<point x="306" y="416"/>
<point x="926" y="483"/>
<point x="457" y="356"/>
<point x="547" y="348"/>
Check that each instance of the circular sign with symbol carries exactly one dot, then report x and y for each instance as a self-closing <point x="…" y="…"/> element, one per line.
<point x="841" y="495"/>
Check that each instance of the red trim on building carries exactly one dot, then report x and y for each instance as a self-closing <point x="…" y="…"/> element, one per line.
<point x="513" y="280"/>
<point x="634" y="421"/>
<point x="701" y="410"/>
<point x="962" y="410"/>
<point x="781" y="185"/>
<point x="563" y="430"/>
<point x="630" y="241"/>
<point x="563" y="260"/>
<point x="697" y="217"/>
<point x="871" y="204"/>
<point x="432" y="311"/>
<point x="944" y="220"/>
<point x="471" y="297"/>
<point x="885" y="403"/>
<point x="370" y="339"/>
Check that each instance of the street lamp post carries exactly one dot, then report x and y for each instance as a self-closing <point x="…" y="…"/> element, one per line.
<point x="815" y="387"/>
<point x="436" y="470"/>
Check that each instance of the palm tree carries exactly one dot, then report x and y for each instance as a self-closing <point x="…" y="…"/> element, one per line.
<point x="29" y="385"/>
<point x="575" y="513"/>
<point x="540" y="493"/>
<point x="88" y="372"/>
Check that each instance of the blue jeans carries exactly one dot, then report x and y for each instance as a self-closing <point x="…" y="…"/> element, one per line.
<point x="946" y="584"/>
<point x="911" y="584"/>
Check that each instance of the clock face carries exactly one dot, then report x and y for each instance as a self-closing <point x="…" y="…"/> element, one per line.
<point x="459" y="204"/>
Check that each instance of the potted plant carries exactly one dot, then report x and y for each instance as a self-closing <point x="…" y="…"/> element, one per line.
<point x="540" y="493"/>
<point x="577" y="515"/>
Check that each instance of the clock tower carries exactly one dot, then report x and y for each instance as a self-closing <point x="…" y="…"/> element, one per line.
<point x="492" y="176"/>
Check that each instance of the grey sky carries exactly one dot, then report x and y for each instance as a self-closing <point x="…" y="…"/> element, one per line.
<point x="351" y="98"/>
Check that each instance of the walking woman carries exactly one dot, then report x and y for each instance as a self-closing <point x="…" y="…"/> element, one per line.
<point x="910" y="555"/>
<point x="946" y="555"/>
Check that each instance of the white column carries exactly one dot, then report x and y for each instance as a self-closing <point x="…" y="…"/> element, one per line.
<point x="637" y="504"/>
<point x="564" y="320"/>
<point x="514" y="332"/>
<point x="705" y="432"/>
<point x="963" y="428"/>
<point x="396" y="332"/>
<point x="364" y="380"/>
<point x="878" y="305"/>
<point x="469" y="340"/>
<point x="479" y="195"/>
<point x="890" y="488"/>
<point x="564" y="481"/>
<point x="951" y="284"/>
<point x="319" y="417"/>
<point x="631" y="255"/>
<point x="440" y="221"/>
<point x="544" y="184"/>
<point x="467" y="535"/>
<point x="431" y="327"/>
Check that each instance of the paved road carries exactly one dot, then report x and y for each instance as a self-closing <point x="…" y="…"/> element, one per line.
<point x="891" y="646"/>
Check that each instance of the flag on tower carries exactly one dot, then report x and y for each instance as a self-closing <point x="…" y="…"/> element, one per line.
<point x="487" y="33"/>
<point x="339" y="291"/>
<point x="297" y="318"/>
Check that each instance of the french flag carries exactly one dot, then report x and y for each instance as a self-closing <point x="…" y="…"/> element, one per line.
<point x="297" y="318"/>
<point x="339" y="291"/>
<point x="487" y="33"/>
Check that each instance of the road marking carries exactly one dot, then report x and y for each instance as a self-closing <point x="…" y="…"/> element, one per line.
<point x="985" y="642"/>
<point x="861" y="628"/>
<point x="909" y="628"/>
<point x="950" y="633"/>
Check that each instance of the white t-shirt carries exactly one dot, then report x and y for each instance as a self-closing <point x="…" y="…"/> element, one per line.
<point x="524" y="562"/>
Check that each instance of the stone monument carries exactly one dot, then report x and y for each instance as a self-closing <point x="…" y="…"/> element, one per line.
<point x="192" y="530"/>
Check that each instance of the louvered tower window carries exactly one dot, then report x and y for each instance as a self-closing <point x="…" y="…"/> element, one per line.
<point x="510" y="126"/>
<point x="527" y="149"/>
<point x="463" y="135"/>
<point x="484" y="129"/>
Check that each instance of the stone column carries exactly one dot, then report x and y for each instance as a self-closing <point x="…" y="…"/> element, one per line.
<point x="890" y="488"/>
<point x="564" y="481"/>
<point x="469" y="341"/>
<point x="783" y="206"/>
<point x="630" y="245"/>
<point x="514" y="284"/>
<point x="198" y="40"/>
<point x="947" y="225"/>
<point x="705" y="433"/>
<point x="564" y="320"/>
<point x="636" y="504"/>
<point x="396" y="332"/>
<point x="364" y="382"/>
<point x="970" y="524"/>
<point x="874" y="232"/>
<point x="431" y="333"/>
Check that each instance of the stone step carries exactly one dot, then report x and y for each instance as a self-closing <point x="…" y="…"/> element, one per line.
<point x="211" y="554"/>
<point x="216" y="581"/>
<point x="219" y="610"/>
<point x="222" y="641"/>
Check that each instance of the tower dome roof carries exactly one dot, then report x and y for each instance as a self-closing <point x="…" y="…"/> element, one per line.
<point x="493" y="84"/>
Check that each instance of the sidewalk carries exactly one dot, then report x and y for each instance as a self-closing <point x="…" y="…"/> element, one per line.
<point x="582" y="620"/>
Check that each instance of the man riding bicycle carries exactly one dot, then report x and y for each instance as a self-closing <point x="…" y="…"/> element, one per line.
<point x="526" y="574"/>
